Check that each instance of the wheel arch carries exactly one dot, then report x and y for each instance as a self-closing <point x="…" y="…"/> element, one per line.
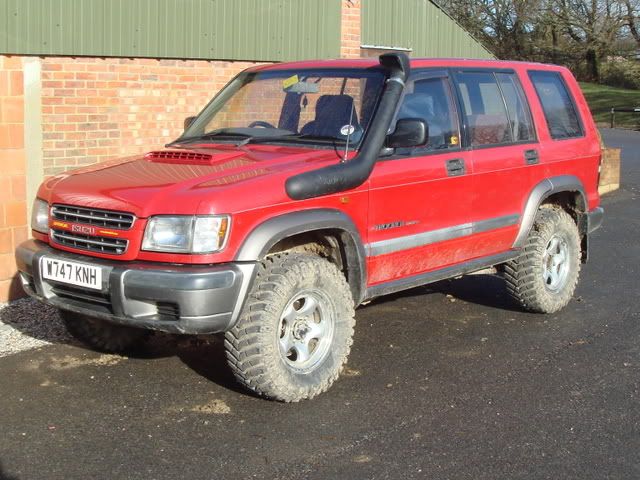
<point x="273" y="231"/>
<point x="543" y="191"/>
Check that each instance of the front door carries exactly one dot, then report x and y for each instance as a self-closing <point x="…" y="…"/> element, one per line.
<point x="420" y="198"/>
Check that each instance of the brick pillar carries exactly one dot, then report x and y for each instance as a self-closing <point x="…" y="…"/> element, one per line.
<point x="350" y="25"/>
<point x="13" y="209"/>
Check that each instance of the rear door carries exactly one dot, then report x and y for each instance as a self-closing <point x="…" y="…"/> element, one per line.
<point x="500" y="132"/>
<point x="571" y="145"/>
<point x="420" y="198"/>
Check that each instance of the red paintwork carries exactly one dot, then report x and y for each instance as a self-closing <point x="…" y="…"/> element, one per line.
<point x="248" y="183"/>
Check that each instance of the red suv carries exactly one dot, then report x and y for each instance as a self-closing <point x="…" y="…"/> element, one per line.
<point x="304" y="189"/>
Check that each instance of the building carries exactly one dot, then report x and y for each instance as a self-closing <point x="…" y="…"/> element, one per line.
<point x="85" y="81"/>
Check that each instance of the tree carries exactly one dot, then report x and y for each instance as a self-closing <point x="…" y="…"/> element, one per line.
<point x="631" y="10"/>
<point x="504" y="26"/>
<point x="577" y="33"/>
<point x="592" y="26"/>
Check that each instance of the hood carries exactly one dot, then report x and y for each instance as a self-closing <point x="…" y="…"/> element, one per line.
<point x="216" y="179"/>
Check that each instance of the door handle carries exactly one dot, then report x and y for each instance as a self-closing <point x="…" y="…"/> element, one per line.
<point x="455" y="167"/>
<point x="531" y="157"/>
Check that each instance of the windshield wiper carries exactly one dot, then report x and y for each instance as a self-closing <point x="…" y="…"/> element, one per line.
<point x="293" y="136"/>
<point x="248" y="138"/>
<point x="223" y="132"/>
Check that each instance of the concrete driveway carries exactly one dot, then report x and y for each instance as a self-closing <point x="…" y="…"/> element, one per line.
<point x="446" y="382"/>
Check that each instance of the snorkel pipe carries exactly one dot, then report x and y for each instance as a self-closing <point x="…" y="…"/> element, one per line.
<point x="353" y="173"/>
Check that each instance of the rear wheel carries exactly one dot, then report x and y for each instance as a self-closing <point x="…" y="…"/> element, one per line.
<point x="294" y="335"/>
<point x="545" y="274"/>
<point x="101" y="335"/>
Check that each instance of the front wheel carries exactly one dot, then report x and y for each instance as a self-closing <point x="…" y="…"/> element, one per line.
<point x="295" y="332"/>
<point x="545" y="274"/>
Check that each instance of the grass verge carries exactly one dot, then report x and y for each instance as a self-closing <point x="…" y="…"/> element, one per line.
<point x="601" y="98"/>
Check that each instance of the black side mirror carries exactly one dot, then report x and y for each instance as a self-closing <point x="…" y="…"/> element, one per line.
<point x="188" y="121"/>
<point x="409" y="132"/>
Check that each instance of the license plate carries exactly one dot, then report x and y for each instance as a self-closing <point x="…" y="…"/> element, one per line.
<point x="72" y="273"/>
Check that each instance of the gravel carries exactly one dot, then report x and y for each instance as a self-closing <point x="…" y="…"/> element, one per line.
<point x="26" y="324"/>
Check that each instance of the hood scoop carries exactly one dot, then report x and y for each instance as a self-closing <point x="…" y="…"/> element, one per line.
<point x="177" y="156"/>
<point x="186" y="157"/>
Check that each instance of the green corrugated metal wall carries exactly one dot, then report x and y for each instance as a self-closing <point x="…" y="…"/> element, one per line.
<point x="210" y="29"/>
<point x="419" y="25"/>
<point x="268" y="30"/>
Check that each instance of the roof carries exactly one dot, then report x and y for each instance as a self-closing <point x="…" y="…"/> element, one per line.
<point x="415" y="63"/>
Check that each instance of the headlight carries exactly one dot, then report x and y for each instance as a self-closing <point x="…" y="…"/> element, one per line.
<point x="40" y="216"/>
<point x="186" y="234"/>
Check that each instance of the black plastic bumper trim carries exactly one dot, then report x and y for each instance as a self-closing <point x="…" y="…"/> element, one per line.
<point x="206" y="297"/>
<point x="595" y="218"/>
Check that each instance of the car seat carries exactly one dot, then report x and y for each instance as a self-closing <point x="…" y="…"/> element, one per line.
<point x="332" y="113"/>
<point x="488" y="129"/>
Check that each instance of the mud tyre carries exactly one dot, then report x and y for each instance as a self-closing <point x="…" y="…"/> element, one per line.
<point x="544" y="276"/>
<point x="296" y="328"/>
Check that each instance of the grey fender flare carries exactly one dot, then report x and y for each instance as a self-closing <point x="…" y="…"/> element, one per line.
<point x="263" y="237"/>
<point x="543" y="190"/>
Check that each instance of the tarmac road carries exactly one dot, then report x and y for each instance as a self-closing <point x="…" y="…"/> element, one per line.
<point x="447" y="382"/>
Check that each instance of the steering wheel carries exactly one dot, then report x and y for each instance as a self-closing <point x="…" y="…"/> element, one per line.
<point x="261" y="123"/>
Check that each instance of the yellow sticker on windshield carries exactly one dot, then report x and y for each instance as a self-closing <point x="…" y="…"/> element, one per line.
<point x="287" y="82"/>
<point x="454" y="140"/>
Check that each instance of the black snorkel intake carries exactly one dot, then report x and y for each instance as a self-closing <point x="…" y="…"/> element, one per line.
<point x="353" y="173"/>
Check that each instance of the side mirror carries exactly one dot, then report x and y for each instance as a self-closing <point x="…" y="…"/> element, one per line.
<point x="188" y="121"/>
<point x="409" y="132"/>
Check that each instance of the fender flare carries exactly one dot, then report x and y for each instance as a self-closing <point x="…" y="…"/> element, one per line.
<point x="543" y="190"/>
<point x="263" y="237"/>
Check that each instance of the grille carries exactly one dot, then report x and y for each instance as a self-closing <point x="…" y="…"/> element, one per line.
<point x="93" y="216"/>
<point x="111" y="246"/>
<point x="167" y="309"/>
<point x="28" y="281"/>
<point x="98" y="299"/>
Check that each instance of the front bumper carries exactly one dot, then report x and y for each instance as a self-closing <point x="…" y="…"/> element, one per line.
<point x="189" y="299"/>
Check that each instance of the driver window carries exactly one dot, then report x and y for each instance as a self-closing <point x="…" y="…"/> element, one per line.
<point x="430" y="100"/>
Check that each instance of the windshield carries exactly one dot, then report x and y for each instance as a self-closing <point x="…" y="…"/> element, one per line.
<point x="292" y="106"/>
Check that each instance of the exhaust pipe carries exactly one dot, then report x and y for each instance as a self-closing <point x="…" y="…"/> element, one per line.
<point x="353" y="173"/>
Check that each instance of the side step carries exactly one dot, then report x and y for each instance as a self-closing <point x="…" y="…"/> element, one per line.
<point x="437" y="275"/>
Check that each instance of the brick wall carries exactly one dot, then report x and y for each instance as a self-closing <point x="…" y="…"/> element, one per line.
<point x="13" y="210"/>
<point x="350" y="25"/>
<point x="95" y="109"/>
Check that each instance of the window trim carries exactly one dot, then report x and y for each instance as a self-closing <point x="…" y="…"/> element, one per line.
<point x="417" y="75"/>
<point x="523" y="97"/>
<point x="574" y="106"/>
<point x="466" y="135"/>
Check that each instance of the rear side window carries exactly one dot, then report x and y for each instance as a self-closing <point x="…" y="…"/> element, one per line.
<point x="484" y="108"/>
<point x="558" y="105"/>
<point x="517" y="107"/>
